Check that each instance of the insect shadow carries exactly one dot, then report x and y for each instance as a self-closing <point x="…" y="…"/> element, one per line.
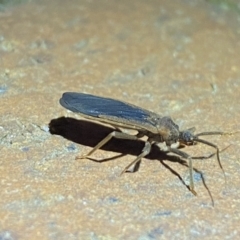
<point x="90" y="133"/>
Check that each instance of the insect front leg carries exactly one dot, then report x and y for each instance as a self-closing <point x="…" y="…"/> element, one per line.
<point x="115" y="134"/>
<point x="189" y="158"/>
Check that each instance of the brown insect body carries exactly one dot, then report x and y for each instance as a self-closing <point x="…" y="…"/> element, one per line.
<point x="161" y="131"/>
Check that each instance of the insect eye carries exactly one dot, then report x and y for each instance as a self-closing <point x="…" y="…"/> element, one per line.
<point x="186" y="136"/>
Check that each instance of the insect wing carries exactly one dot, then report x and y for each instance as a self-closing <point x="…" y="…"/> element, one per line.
<point x="108" y="110"/>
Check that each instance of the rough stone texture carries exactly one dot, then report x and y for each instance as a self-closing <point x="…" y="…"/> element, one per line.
<point x="177" y="58"/>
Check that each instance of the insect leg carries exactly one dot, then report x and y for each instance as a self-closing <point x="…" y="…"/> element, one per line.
<point x="146" y="150"/>
<point x="186" y="156"/>
<point x="217" y="152"/>
<point x="115" y="134"/>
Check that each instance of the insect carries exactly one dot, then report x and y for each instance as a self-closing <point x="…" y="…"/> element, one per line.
<point x="160" y="130"/>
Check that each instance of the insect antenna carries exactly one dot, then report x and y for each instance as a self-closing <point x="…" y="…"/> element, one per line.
<point x="211" y="133"/>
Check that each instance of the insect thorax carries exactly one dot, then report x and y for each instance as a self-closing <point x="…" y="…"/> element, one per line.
<point x="168" y="131"/>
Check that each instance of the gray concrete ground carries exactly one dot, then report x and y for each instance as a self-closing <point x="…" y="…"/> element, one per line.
<point x="176" y="58"/>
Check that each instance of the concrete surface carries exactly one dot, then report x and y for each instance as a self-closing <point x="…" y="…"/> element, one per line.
<point x="177" y="58"/>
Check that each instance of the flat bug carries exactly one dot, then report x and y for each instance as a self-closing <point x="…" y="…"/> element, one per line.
<point x="161" y="131"/>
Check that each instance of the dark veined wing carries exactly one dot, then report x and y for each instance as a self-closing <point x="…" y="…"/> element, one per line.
<point x="109" y="110"/>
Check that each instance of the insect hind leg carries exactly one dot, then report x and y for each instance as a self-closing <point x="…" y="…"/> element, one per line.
<point x="115" y="134"/>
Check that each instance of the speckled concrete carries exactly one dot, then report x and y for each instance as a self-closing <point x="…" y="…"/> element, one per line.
<point x="177" y="58"/>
